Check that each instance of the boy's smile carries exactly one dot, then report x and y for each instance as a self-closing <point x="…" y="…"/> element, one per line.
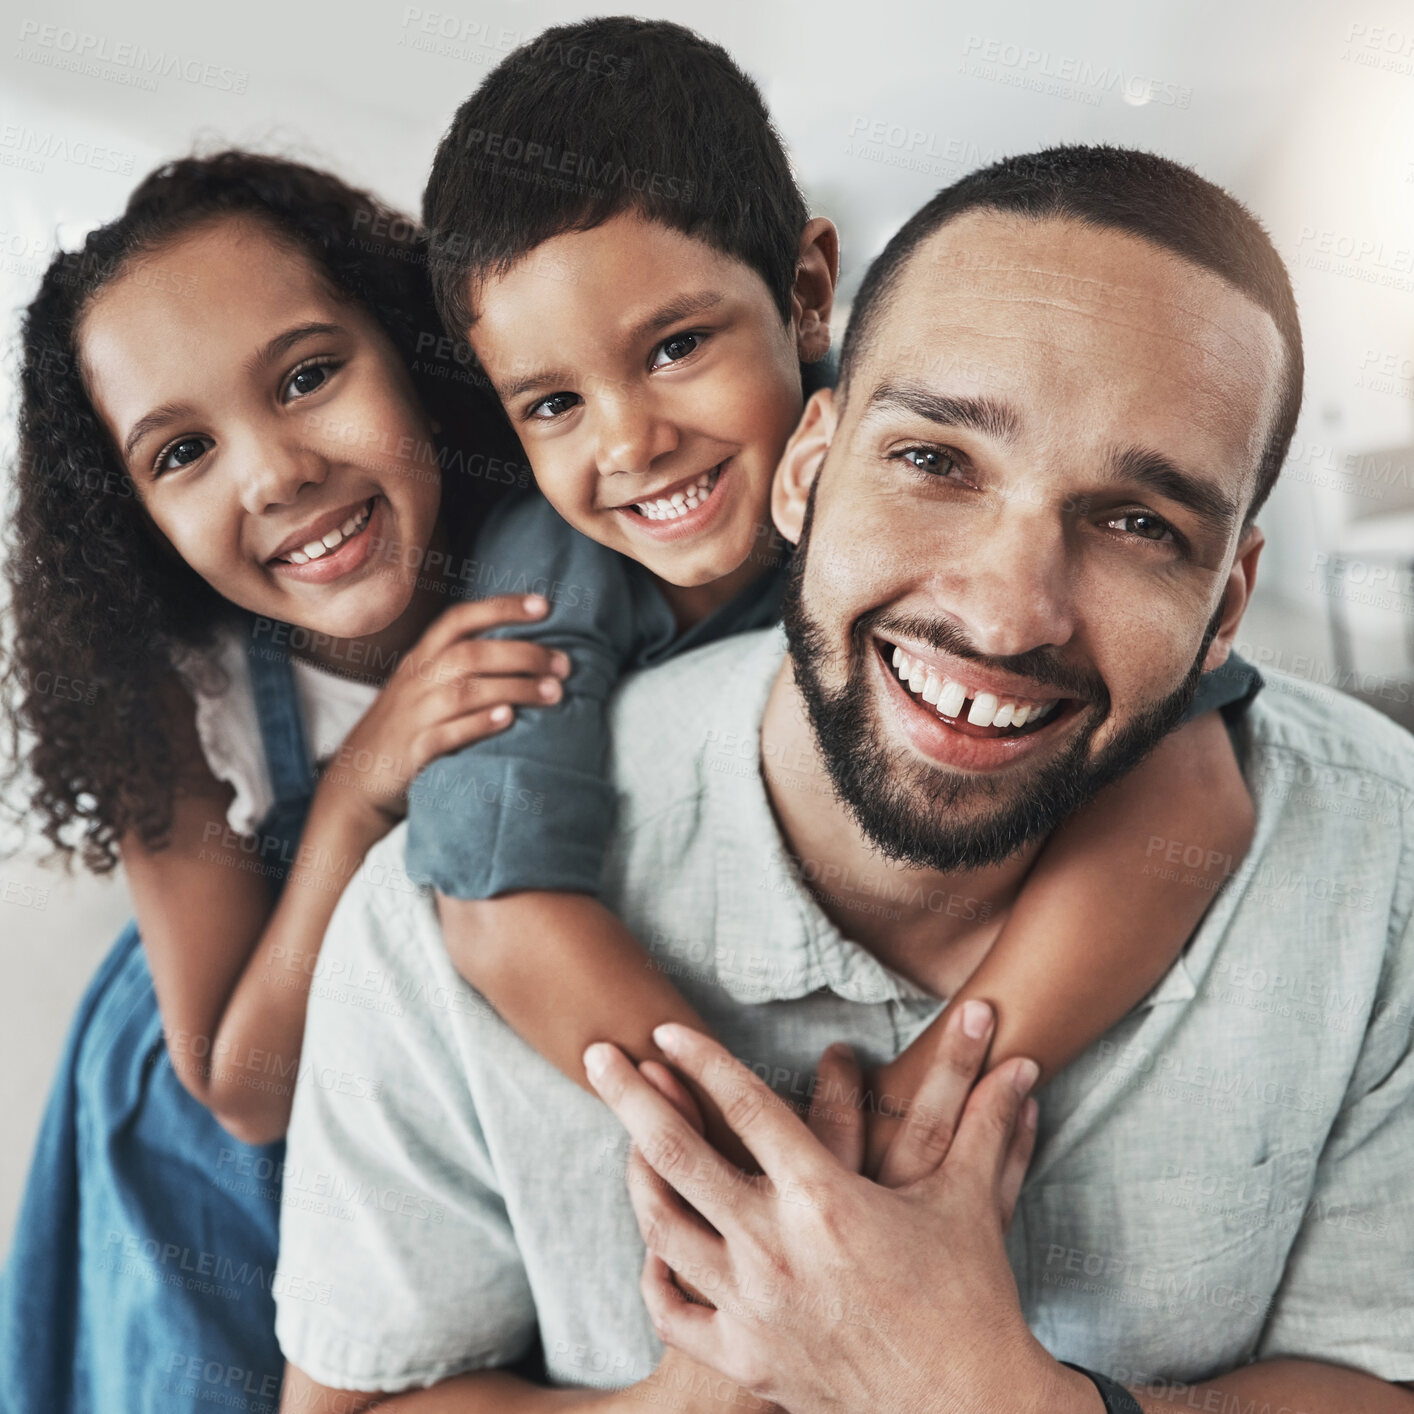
<point x="653" y="383"/>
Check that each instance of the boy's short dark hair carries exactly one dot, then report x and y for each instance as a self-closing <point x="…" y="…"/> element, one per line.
<point x="1124" y="190"/>
<point x="606" y="116"/>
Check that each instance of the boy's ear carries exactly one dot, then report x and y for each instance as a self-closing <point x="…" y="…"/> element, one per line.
<point x="1241" y="579"/>
<point x="817" y="270"/>
<point x="800" y="463"/>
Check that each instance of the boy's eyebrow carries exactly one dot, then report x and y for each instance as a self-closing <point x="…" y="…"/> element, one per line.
<point x="680" y="307"/>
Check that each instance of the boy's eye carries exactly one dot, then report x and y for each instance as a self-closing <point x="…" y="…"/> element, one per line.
<point x="1145" y="526"/>
<point x="304" y="381"/>
<point x="554" y="406"/>
<point x="675" y="349"/>
<point x="182" y="452"/>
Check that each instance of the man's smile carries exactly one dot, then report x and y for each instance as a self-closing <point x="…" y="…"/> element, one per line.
<point x="966" y="720"/>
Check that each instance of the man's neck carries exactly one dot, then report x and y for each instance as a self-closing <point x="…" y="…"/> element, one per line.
<point x="929" y="925"/>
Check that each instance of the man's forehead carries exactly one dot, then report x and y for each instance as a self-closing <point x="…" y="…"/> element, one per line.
<point x="996" y="302"/>
<point x="985" y="272"/>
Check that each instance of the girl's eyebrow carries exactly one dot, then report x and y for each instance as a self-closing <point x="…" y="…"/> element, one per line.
<point x="283" y="343"/>
<point x="151" y="421"/>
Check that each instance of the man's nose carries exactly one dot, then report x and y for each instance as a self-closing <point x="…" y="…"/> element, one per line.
<point x="1011" y="586"/>
<point x="273" y="471"/>
<point x="632" y="434"/>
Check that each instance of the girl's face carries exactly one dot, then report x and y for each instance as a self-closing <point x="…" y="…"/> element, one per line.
<point x="270" y="428"/>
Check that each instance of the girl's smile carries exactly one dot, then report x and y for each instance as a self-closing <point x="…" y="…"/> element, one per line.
<point x="270" y="428"/>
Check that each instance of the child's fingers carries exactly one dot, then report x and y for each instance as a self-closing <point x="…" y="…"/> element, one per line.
<point x="1018" y="1160"/>
<point x="492" y="657"/>
<point x="926" y="1131"/>
<point x="473" y="694"/>
<point x="456" y="732"/>
<point x="477" y="615"/>
<point x="835" y="1118"/>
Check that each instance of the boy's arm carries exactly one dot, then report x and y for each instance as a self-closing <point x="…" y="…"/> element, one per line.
<point x="1104" y="912"/>
<point x="563" y="971"/>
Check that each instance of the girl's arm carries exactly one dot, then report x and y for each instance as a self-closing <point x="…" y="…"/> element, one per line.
<point x="1109" y="904"/>
<point x="231" y="969"/>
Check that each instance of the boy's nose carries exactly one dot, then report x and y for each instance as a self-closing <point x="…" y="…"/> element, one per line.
<point x="632" y="437"/>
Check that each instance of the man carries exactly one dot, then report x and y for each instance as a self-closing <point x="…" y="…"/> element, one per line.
<point x="1068" y="387"/>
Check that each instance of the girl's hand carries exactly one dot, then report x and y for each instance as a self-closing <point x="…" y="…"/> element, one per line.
<point x="450" y="689"/>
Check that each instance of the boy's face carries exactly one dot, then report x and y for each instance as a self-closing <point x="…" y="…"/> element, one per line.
<point x="653" y="384"/>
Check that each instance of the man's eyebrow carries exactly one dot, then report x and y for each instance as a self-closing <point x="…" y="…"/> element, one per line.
<point x="283" y="343"/>
<point x="150" y="422"/>
<point x="1144" y="467"/>
<point x="682" y="307"/>
<point x="985" y="415"/>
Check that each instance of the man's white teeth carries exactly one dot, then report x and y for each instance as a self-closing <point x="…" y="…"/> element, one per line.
<point x="331" y="539"/>
<point x="948" y="697"/>
<point x="680" y="502"/>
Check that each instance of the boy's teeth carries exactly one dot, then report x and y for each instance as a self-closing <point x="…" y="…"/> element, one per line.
<point x="948" y="697"/>
<point x="680" y="502"/>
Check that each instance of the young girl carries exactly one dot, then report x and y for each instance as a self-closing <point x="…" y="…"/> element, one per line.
<point x="223" y="444"/>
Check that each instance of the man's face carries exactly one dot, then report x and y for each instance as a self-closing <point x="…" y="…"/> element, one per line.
<point x="653" y="385"/>
<point x="1032" y="495"/>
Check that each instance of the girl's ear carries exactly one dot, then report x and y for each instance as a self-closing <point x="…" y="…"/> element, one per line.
<point x="813" y="300"/>
<point x="800" y="463"/>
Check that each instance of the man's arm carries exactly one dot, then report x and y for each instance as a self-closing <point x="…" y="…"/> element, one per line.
<point x="678" y="1386"/>
<point x="1304" y="1385"/>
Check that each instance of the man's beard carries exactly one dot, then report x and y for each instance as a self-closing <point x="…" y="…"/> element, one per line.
<point x="929" y="817"/>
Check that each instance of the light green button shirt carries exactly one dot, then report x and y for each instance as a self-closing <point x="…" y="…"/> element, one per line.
<point x="1225" y="1176"/>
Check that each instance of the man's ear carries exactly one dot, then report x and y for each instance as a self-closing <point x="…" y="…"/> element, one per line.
<point x="800" y="463"/>
<point x="1241" y="580"/>
<point x="813" y="299"/>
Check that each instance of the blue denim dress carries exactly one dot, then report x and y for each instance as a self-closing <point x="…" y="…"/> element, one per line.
<point x="139" y="1281"/>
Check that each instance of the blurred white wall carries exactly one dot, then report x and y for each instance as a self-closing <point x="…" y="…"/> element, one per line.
<point x="1303" y="108"/>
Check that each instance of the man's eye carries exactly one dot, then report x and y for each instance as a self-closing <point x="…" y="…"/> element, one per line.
<point x="304" y="381"/>
<point x="182" y="452"/>
<point x="556" y="405"/>
<point x="929" y="459"/>
<point x="675" y="349"/>
<point x="1145" y="526"/>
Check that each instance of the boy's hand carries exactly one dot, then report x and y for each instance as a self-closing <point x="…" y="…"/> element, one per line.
<point x="450" y="689"/>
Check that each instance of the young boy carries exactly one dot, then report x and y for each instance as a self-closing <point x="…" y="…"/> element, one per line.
<point x="625" y="249"/>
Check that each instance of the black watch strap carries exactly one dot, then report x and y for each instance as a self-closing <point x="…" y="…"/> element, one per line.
<point x="1118" y="1400"/>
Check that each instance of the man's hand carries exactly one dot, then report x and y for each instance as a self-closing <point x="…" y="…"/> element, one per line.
<point x="833" y="1293"/>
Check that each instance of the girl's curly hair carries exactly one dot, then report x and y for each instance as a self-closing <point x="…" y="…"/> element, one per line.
<point x="99" y="616"/>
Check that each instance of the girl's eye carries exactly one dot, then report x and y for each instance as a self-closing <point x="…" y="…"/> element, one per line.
<point x="929" y="459"/>
<point x="552" y="407"/>
<point x="675" y="349"/>
<point x="304" y="381"/>
<point x="1146" y="526"/>
<point x="180" y="453"/>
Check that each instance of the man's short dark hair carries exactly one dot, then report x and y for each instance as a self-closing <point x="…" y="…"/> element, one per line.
<point x="607" y="116"/>
<point x="1122" y="190"/>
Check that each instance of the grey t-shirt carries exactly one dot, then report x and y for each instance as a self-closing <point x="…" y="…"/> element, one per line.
<point x="1223" y="1176"/>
